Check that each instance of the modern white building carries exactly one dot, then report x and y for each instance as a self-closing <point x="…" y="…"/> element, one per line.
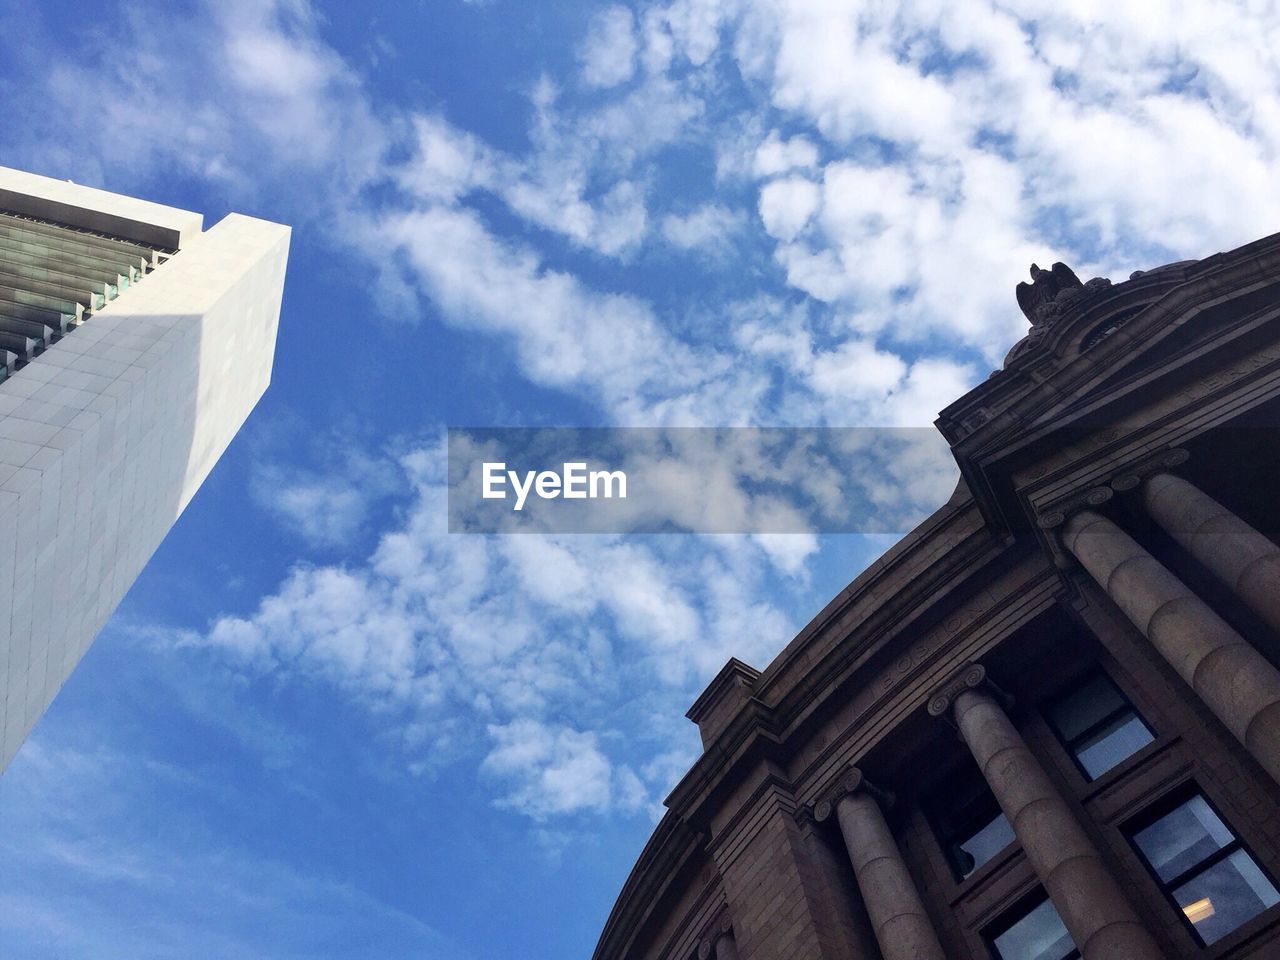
<point x="133" y="345"/>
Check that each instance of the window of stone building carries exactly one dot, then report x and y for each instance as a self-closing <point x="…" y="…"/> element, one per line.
<point x="1032" y="931"/>
<point x="1202" y="866"/>
<point x="967" y="820"/>
<point x="1098" y="726"/>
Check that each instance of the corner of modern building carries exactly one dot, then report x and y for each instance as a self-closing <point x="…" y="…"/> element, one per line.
<point x="133" y="345"/>
<point x="1046" y="724"/>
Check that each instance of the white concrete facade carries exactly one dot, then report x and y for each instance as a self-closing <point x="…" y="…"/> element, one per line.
<point x="105" y="436"/>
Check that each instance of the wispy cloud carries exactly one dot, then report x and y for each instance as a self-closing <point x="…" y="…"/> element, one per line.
<point x="872" y="178"/>
<point x="329" y="503"/>
<point x="525" y="677"/>
<point x="152" y="891"/>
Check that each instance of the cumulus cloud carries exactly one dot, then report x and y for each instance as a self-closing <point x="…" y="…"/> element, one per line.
<point x="775" y="155"/>
<point x="786" y="206"/>
<point x="557" y="770"/>
<point x="418" y="633"/>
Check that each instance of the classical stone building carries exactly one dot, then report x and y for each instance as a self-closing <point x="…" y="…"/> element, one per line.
<point x="1046" y="724"/>
<point x="133" y="345"/>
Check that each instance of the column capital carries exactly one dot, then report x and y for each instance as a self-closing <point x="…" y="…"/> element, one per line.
<point x="721" y="926"/>
<point x="1051" y="515"/>
<point x="971" y="676"/>
<point x="850" y="782"/>
<point x="1135" y="474"/>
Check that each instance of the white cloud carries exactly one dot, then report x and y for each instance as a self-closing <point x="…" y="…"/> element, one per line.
<point x="243" y="94"/>
<point x="775" y="155"/>
<point x="696" y="25"/>
<point x="563" y="334"/>
<point x="553" y="771"/>
<point x="709" y="229"/>
<point x="327" y="506"/>
<point x="907" y="161"/>
<point x="449" y="162"/>
<point x="609" y="52"/>
<point x="84" y="842"/>
<point x="857" y="369"/>
<point x="418" y="634"/>
<point x="786" y="206"/>
<point x="326" y="511"/>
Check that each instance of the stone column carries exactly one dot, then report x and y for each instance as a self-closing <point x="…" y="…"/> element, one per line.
<point x="1088" y="899"/>
<point x="1233" y="679"/>
<point x="719" y="945"/>
<point x="898" y="918"/>
<point x="1238" y="555"/>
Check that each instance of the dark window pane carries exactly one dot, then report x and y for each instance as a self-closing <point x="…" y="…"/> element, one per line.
<point x="1098" y="726"/>
<point x="1183" y="838"/>
<point x="1118" y="740"/>
<point x="1039" y="935"/>
<point x="1225" y="895"/>
<point x="982" y="845"/>
<point x="1090" y="704"/>
<point x="967" y="820"/>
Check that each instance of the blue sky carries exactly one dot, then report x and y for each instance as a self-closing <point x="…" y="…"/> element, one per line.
<point x="321" y="727"/>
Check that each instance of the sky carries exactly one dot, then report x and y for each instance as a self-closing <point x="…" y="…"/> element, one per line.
<point x="321" y="726"/>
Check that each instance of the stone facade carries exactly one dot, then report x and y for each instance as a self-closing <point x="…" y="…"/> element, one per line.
<point x="1047" y="723"/>
<point x="111" y="423"/>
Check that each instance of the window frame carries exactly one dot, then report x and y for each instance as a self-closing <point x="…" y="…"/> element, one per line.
<point x="1095" y="673"/>
<point x="1157" y="811"/>
<point x="1015" y="914"/>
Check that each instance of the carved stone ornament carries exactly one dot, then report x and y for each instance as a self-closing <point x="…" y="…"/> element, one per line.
<point x="1133" y="475"/>
<point x="721" y="926"/>
<point x="971" y="676"/>
<point x="1055" y="514"/>
<point x="1046" y="298"/>
<point x="850" y="782"/>
<point x="1038" y="299"/>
